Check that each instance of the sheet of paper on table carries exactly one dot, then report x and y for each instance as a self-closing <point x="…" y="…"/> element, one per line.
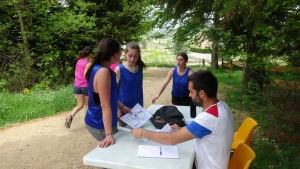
<point x="166" y="128"/>
<point x="138" y="117"/>
<point x="158" y="151"/>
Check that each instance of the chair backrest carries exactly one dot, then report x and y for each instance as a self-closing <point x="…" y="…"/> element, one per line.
<point x="242" y="157"/>
<point x="244" y="133"/>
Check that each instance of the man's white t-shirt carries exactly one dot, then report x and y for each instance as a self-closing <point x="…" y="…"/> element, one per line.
<point x="214" y="131"/>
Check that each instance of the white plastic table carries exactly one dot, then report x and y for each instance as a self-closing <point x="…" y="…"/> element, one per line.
<point x="122" y="155"/>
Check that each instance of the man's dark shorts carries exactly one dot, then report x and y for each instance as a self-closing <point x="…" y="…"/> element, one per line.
<point x="81" y="90"/>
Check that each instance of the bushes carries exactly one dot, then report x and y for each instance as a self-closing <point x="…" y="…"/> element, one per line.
<point x="200" y="50"/>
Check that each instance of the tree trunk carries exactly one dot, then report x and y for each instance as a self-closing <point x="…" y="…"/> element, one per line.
<point x="214" y="55"/>
<point x="253" y="77"/>
<point x="25" y="72"/>
<point x="215" y="47"/>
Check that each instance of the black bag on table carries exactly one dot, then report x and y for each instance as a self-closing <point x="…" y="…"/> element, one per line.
<point x="167" y="114"/>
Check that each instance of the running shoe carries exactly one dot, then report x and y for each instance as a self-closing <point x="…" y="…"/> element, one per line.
<point x="68" y="121"/>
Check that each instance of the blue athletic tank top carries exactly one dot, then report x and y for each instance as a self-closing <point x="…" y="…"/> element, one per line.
<point x="180" y="83"/>
<point x="131" y="87"/>
<point x="93" y="115"/>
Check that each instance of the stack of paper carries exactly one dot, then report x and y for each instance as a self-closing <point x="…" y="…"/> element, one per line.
<point x="158" y="151"/>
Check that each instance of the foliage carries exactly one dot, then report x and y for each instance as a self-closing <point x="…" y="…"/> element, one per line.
<point x="124" y="20"/>
<point x="276" y="139"/>
<point x="200" y="50"/>
<point x="259" y="29"/>
<point x="38" y="45"/>
<point x="39" y="41"/>
<point x="179" y="47"/>
<point x="189" y="17"/>
<point x="192" y="18"/>
<point x="263" y="29"/>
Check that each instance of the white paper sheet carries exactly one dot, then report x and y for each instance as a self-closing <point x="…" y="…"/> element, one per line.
<point x="158" y="151"/>
<point x="138" y="117"/>
<point x="166" y="128"/>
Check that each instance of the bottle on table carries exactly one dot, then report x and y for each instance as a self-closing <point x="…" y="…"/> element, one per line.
<point x="192" y="110"/>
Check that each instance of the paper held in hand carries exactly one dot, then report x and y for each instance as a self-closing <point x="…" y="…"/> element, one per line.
<point x="138" y="117"/>
<point x="158" y="151"/>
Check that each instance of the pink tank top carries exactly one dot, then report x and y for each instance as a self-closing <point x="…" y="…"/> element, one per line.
<point x="80" y="81"/>
<point x="113" y="66"/>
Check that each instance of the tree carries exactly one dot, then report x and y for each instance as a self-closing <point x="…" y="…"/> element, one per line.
<point x="125" y="20"/>
<point x="261" y="29"/>
<point x="32" y="38"/>
<point x="192" y="19"/>
<point x="41" y="39"/>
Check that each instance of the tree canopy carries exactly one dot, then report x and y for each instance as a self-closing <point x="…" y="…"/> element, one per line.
<point x="40" y="39"/>
<point x="260" y="30"/>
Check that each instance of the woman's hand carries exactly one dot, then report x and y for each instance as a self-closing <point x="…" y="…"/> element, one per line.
<point x="119" y="114"/>
<point x="126" y="109"/>
<point x="109" y="140"/>
<point x="121" y="123"/>
<point x="154" y="99"/>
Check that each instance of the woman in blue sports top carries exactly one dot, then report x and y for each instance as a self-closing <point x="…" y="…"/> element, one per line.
<point x="130" y="78"/>
<point x="101" y="117"/>
<point x="180" y="73"/>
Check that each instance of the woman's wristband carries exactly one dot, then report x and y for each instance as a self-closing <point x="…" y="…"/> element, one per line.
<point x="142" y="133"/>
<point x="107" y="134"/>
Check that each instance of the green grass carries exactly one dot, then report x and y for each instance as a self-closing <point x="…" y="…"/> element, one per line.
<point x="19" y="107"/>
<point x="157" y="57"/>
<point x="159" y="65"/>
<point x="290" y="76"/>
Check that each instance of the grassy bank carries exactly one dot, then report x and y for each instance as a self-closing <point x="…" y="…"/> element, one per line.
<point x="276" y="140"/>
<point x="21" y="107"/>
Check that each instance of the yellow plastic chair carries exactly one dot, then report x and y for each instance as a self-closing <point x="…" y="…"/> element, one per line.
<point x="244" y="133"/>
<point x="242" y="157"/>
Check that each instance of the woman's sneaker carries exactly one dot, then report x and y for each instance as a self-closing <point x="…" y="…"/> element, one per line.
<point x="68" y="121"/>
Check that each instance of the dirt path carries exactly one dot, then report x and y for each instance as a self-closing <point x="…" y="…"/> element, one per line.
<point x="46" y="143"/>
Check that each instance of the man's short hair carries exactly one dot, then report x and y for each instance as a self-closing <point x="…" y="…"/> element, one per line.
<point x="206" y="81"/>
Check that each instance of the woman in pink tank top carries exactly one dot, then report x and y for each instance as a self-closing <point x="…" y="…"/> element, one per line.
<point x="80" y="83"/>
<point x="113" y="66"/>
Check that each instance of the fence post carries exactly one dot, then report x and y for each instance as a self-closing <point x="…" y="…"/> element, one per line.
<point x="222" y="62"/>
<point x="203" y="63"/>
<point x="231" y="65"/>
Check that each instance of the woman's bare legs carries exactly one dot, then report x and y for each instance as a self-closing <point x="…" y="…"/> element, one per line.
<point x="80" y="103"/>
<point x="86" y="102"/>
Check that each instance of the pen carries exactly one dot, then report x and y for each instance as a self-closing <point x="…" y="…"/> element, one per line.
<point x="160" y="151"/>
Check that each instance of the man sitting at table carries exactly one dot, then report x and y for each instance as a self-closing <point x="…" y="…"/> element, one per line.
<point x="212" y="128"/>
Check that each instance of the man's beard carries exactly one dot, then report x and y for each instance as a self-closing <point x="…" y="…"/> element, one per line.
<point x="198" y="101"/>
